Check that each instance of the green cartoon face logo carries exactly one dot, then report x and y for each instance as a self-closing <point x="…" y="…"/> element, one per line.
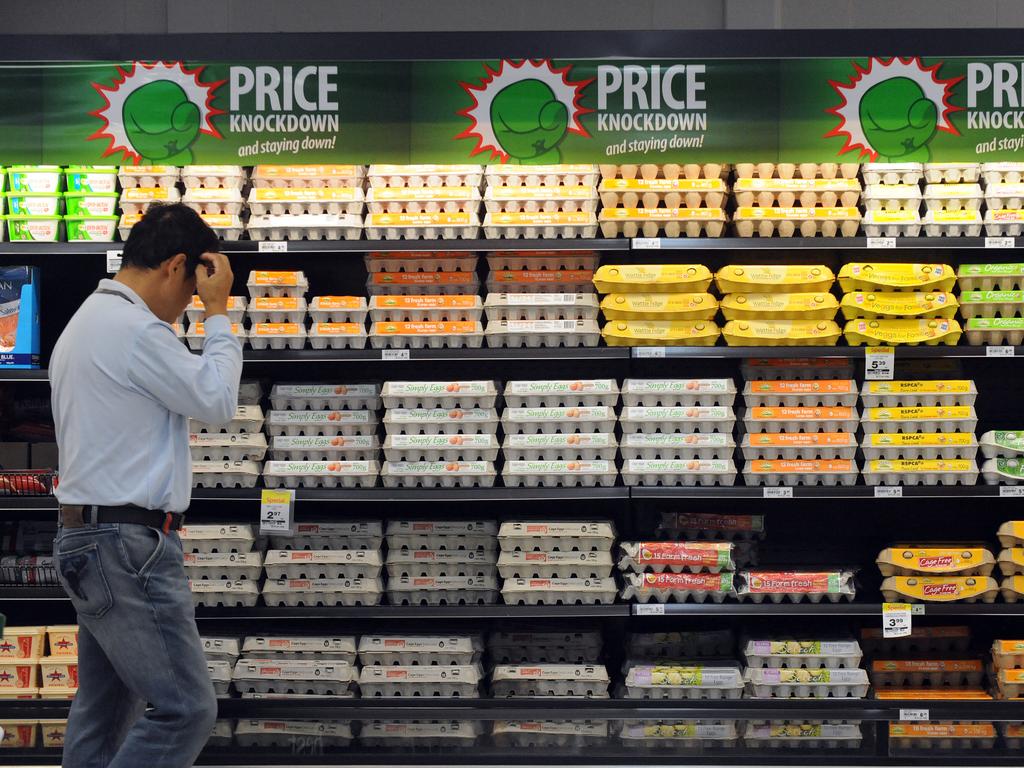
<point x="522" y="112"/>
<point x="155" y="112"/>
<point x="892" y="110"/>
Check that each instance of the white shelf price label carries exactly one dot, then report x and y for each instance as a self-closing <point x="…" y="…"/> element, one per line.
<point x="881" y="242"/>
<point x="648" y="352"/>
<point x="1000" y="350"/>
<point x="655" y="609"/>
<point x="999" y="242"/>
<point x="113" y="261"/>
<point x="879" y="363"/>
<point x="896" y="619"/>
<point x="888" y="491"/>
<point x="778" y="492"/>
<point x="272" y="246"/>
<point x="276" y="511"/>
<point x="646" y="244"/>
<point x="1011" y="491"/>
<point x="394" y="354"/>
<point x="914" y="715"/>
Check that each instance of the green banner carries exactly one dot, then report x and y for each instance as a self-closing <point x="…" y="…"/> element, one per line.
<point x="533" y="112"/>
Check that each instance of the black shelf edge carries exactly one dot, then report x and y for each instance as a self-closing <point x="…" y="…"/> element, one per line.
<point x="483" y="354"/>
<point x="401" y="612"/>
<point x="28" y="503"/>
<point x="51" y="593"/>
<point x="990" y="610"/>
<point x="816" y="243"/>
<point x="23" y="374"/>
<point x="851" y="493"/>
<point x="422" y="495"/>
<point x="857" y="353"/>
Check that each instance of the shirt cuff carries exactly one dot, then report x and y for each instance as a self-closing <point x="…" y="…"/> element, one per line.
<point x="218" y="324"/>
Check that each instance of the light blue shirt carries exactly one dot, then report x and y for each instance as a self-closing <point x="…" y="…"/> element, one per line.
<point x="123" y="389"/>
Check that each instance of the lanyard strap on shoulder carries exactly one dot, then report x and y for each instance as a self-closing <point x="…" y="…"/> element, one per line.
<point x="108" y="292"/>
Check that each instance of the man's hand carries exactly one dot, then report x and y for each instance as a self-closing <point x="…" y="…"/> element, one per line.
<point x="213" y="283"/>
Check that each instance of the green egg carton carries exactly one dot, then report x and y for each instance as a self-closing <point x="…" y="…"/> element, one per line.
<point x="33" y="203"/>
<point x="91" y="178"/>
<point x="35" y="178"/>
<point x="91" y="203"/>
<point x="99" y="229"/>
<point x="43" y="229"/>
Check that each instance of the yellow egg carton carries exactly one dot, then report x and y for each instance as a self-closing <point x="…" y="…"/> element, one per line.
<point x="786" y="222"/>
<point x="909" y="332"/>
<point x="669" y="222"/>
<point x="994" y="330"/>
<point x="1011" y="561"/>
<point x="546" y="199"/>
<point x="939" y="589"/>
<point x="667" y="193"/>
<point x="919" y="418"/>
<point x="867" y="276"/>
<point x="780" y="333"/>
<point x="919" y="392"/>
<point x="652" y="278"/>
<point x="803" y="193"/>
<point x="1012" y="589"/>
<point x="797" y="170"/>
<point x="874" y="305"/>
<point x="422" y="199"/>
<point x="659" y="306"/>
<point x="671" y="171"/>
<point x="1011" y="533"/>
<point x="773" y="278"/>
<point x="911" y="559"/>
<point x="661" y="333"/>
<point x="921" y="472"/>
<point x="779" y="306"/>
<point x="920" y="445"/>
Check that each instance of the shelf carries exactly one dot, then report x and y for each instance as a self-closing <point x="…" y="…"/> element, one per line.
<point x="402" y="612"/>
<point x="28" y="503"/>
<point x="421" y="495"/>
<point x="811" y="492"/>
<point x="484" y="354"/>
<point x="856" y="353"/>
<point x="987" y="610"/>
<point x="23" y="374"/>
<point x="32" y="594"/>
<point x="817" y="243"/>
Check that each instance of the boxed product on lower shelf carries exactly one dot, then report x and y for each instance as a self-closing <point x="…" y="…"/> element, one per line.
<point x="940" y="589"/>
<point x="667" y="587"/>
<point x="443" y="590"/>
<point x="427" y="650"/>
<point x="942" y="735"/>
<point x="322" y="592"/>
<point x="776" y="586"/>
<point x="789" y="734"/>
<point x="806" y="683"/>
<point x="797" y="654"/>
<point x="449" y="681"/>
<point x="558" y="680"/>
<point x="699" y="681"/>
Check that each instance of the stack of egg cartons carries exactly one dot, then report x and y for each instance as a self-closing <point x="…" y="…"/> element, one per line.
<point x="440" y="434"/>
<point x="759" y="585"/>
<point x="673" y="200"/>
<point x="953" y="198"/>
<point x="1011" y="560"/>
<point x="34" y="203"/>
<point x="920" y="432"/>
<point x="892" y="199"/>
<point x="744" y="532"/>
<point x="276" y="310"/>
<point x="934" y="737"/>
<point x="221" y="654"/>
<point x="678" y="432"/>
<point x="429" y="202"/>
<point x="804" y="668"/>
<point x="458" y="546"/>
<point x="323" y="435"/>
<point x="195" y="335"/>
<point x="215" y="192"/>
<point x="306" y="202"/>
<point x="559" y="433"/>
<point x="556" y="563"/>
<point x="778" y="305"/>
<point x="201" y="540"/>
<point x="657" y="304"/>
<point x="20" y="652"/>
<point x="1008" y="668"/>
<point x="90" y="203"/>
<point x="889" y="304"/>
<point x="1004" y="198"/>
<point x="540" y="201"/>
<point x="572" y="677"/>
<point x="143" y="185"/>
<point x="292" y="734"/>
<point x="992" y="302"/>
<point x="807" y="199"/>
<point x="667" y="571"/>
<point x="800" y="432"/>
<point x="916" y="573"/>
<point x="228" y="455"/>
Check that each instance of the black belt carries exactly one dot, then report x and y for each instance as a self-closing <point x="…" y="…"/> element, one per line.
<point x="77" y="516"/>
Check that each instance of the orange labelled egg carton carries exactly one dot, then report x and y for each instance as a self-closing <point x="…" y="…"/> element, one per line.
<point x="559" y="474"/>
<point x="666" y="193"/>
<point x="319" y="397"/>
<point x="320" y="474"/>
<point x="277" y="336"/>
<point x="423" y="199"/>
<point x="662" y="222"/>
<point x="557" y="734"/>
<point x="920" y="445"/>
<point x="801" y="419"/>
<point x="425" y="308"/>
<point x="676" y="445"/>
<point x="337" y="336"/>
<point x="953" y="197"/>
<point x="781" y="333"/>
<point x="674" y="333"/>
<point x="196" y="310"/>
<point x="1012" y="589"/>
<point x="1009" y="683"/>
<point x="931" y="673"/>
<point x="678" y="392"/>
<point x="285" y="309"/>
<point x="559" y="591"/>
<point x="800" y="471"/>
<point x="667" y="587"/>
<point x="560" y="281"/>
<point x="529" y="200"/>
<point x="659" y="306"/>
<point x="798" y="683"/>
<point x="135" y="200"/>
<point x="802" y="193"/>
<point x="675" y="472"/>
<point x="787" y="171"/>
<point x="417" y="283"/>
<point x="563" y="175"/>
<point x="164" y="176"/>
<point x="222" y="201"/>
<point x="433" y="563"/>
<point x="441" y="421"/>
<point x="443" y="590"/>
<point x="683" y="419"/>
<point x="1008" y="654"/>
<point x="942" y="735"/>
<point x="551" y="393"/>
<point x="991" y="304"/>
<point x="317" y="201"/>
<point x="228" y="447"/>
<point x="427" y="335"/>
<point x="759" y="586"/>
<point x="420" y="261"/>
<point x="921" y="418"/>
<point x="921" y="640"/>
<point x="555" y="565"/>
<point x="438" y="474"/>
<point x="418" y="226"/>
<point x="542" y="333"/>
<point x="324" y="448"/>
<point x="308" y="176"/>
<point x="899" y="305"/>
<point x="718" y="680"/>
<point x="773" y="278"/>
<point x="441" y="447"/>
<point x="676" y="556"/>
<point x="277" y="284"/>
<point x="322" y="564"/>
<point x="893" y="173"/>
<point x="885" y="332"/>
<point x="540" y="260"/>
<point x="909" y="560"/>
<point x="425" y="175"/>
<point x="227" y="593"/>
<point x="787" y="222"/>
<point x="807" y="654"/>
<point x="322" y="592"/>
<point x="225" y="474"/>
<point x="337" y="309"/>
<point x="952" y="173"/>
<point x="321" y="423"/>
<point x="779" y="306"/>
<point x="195" y="336"/>
<point x="792" y="446"/>
<point x="920" y="472"/>
<point x="994" y="330"/>
<point x="800" y="392"/>
<point x="940" y="589"/>
<point x="540" y="224"/>
<point x="671" y="171"/>
<point x="1011" y="561"/>
<point x="802" y="734"/>
<point x="226" y="565"/>
<point x="892" y="197"/>
<point x="892" y="223"/>
<point x="305" y="226"/>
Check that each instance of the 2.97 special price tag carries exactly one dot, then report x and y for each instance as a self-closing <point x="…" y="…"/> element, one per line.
<point x="276" y="512"/>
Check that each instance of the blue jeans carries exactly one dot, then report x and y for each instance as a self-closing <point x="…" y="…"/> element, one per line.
<point x="137" y="645"/>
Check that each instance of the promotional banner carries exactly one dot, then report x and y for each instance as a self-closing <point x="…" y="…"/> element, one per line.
<point x="531" y="112"/>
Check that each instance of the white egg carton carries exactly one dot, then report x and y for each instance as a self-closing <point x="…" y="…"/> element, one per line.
<point x="800" y="392"/>
<point x="559" y="591"/>
<point x="556" y="536"/>
<point x="213" y="177"/>
<point x="795" y="170"/>
<point x="441" y="421"/>
<point x="1002" y="173"/>
<point x="892" y="173"/>
<point x="318" y="648"/>
<point x="422" y="226"/>
<point x="800" y="419"/>
<point x="667" y="193"/>
<point x="438" y="474"/>
<point x="676" y="556"/>
<point x="425" y="650"/>
<point x="561" y="393"/>
<point x="678" y="734"/>
<point x="277" y="201"/>
<point x="801" y="472"/>
<point x="542" y="333"/>
<point x="425" y="309"/>
<point x="230" y="566"/>
<point x="440" y="447"/>
<point x="580" y="222"/>
<point x="814" y="586"/>
<point x="322" y="592"/>
<point x="671" y="472"/>
<point x="283" y="310"/>
<point x="540" y="306"/>
<point x="449" y="681"/>
<point x="337" y="309"/>
<point x="952" y="223"/>
<point x="994" y="330"/>
<point x="164" y="176"/>
<point x="195" y="336"/>
<point x="809" y="654"/>
<point x="215" y="593"/>
<point x="677" y="681"/>
<point x="308" y="176"/>
<point x="214" y="201"/>
<point x="431" y="335"/>
<point x="248" y="419"/>
<point x="290" y="734"/>
<point x="322" y="677"/>
<point x="919" y="419"/>
<point x="410" y="563"/>
<point x="1003" y="472"/>
<point x="560" y="680"/>
<point x="321" y="423"/>
<point x="323" y="564"/>
<point x="889" y="223"/>
<point x="439" y="394"/>
<point x="788" y="734"/>
<point x="442" y="534"/>
<point x="796" y="683"/>
<point x="933" y="673"/>
<point x="509" y="175"/>
<point x="953" y="197"/>
<point x="684" y="419"/>
<point x="934" y="735"/>
<point x="678" y="392"/>
<point x="560" y="281"/>
<point x="791" y="446"/>
<point x="277" y="284"/>
<point x="669" y="587"/>
<point x="952" y="173"/>
<point x="558" y="420"/>
<point x="221" y="648"/>
<point x="318" y="397"/>
<point x="555" y="565"/>
<point x="206" y="538"/>
<point x="674" y="445"/>
<point x="434" y="734"/>
<point x="425" y="175"/>
<point x="991" y="304"/>
<point x="237" y="305"/>
<point x="530" y="261"/>
<point x="1008" y="197"/>
<point x="357" y="534"/>
<point x="225" y="474"/>
<point x="320" y="474"/>
<point x="668" y="171"/>
<point x="561" y="474"/>
<point x="789" y="193"/>
<point x="316" y="448"/>
<point x="876" y="394"/>
<point x="443" y="590"/>
<point x="892" y="197"/>
<point x="432" y="199"/>
<point x="923" y="445"/>
<point x="556" y="734"/>
<point x="228" y="447"/>
<point x="597" y="446"/>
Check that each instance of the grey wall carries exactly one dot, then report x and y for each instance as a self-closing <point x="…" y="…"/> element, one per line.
<point x="162" y="16"/>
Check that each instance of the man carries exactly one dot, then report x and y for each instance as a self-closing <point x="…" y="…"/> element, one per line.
<point x="124" y="387"/>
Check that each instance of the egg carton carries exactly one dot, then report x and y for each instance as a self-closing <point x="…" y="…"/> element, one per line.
<point x="662" y="222"/>
<point x="560" y="281"/>
<point x="439" y="394"/>
<point x="277" y="336"/>
<point x="562" y="474"/>
<point x="1004" y="198"/>
<point x="419" y="261"/>
<point x="659" y="307"/>
<point x="556" y="536"/>
<point x="652" y="278"/>
<point x="933" y="673"/>
<point x="319" y="397"/>
<point x="422" y="283"/>
<point x="227" y="447"/>
<point x="892" y="223"/>
<point x="581" y="447"/>
<point x="753" y="280"/>
<point x="922" y="445"/>
<point x="994" y="330"/>
<point x="671" y="171"/>
<point x="676" y="556"/>
<point x="683" y="419"/>
<point x="220" y="676"/>
<point x="425" y="309"/>
<point x="787" y="734"/>
<point x="544" y="200"/>
<point x="314" y="201"/>
<point x="921" y="640"/>
<point x="225" y="474"/>
<point x="430" y="199"/>
<point x="426" y="650"/>
<point x="662" y="735"/>
<point x="135" y="200"/>
<point x="438" y="474"/>
<point x="557" y="734"/>
<point x="542" y="333"/>
<point x="283" y="310"/>
<point x="953" y="197"/>
<point x="291" y="734"/>
<point x="892" y="173"/>
<point x="952" y="173"/>
<point x="623" y="333"/>
<point x="338" y="309"/>
<point x="431" y="335"/>
<point x="248" y="420"/>
<point x="667" y="193"/>
<point x="924" y="418"/>
<point x="337" y="336"/>
<point x="945" y="736"/>
<point x="322" y="592"/>
<point x="321" y="423"/>
<point x="307" y="176"/>
<point x="781" y="333"/>
<point x="540" y="306"/>
<point x="442" y="534"/>
<point x="921" y="472"/>
<point x="946" y="392"/>
<point x="806" y="683"/>
<point x="559" y="420"/>
<point x="787" y="222"/>
<point x="299" y="647"/>
<point x="531" y="261"/>
<point x="797" y="654"/>
<point x="214" y="201"/>
<point x="559" y="591"/>
<point x="195" y="337"/>
<point x="433" y="734"/>
<point x="441" y="448"/>
<point x="1013" y="734"/>
<point x="443" y="590"/>
<point x="228" y="593"/>
<point x="698" y="681"/>
<point x="325" y="449"/>
<point x="916" y="589"/>
<point x="422" y="226"/>
<point x="779" y="306"/>
<point x="991" y="304"/>
<point x="478" y="564"/>
<point x="799" y="446"/>
<point x="559" y="680"/>
<point x="675" y="393"/>
<point x="666" y="446"/>
<point x="797" y="170"/>
<point x="440" y="421"/>
<point x="555" y="565"/>
<point x="322" y="677"/>
<point x="230" y="566"/>
<point x="1008" y="654"/>
<point x="1002" y="173"/>
<point x="322" y="564"/>
<point x="221" y="648"/>
<point x="277" y="284"/>
<point x="801" y="392"/>
<point x="776" y="586"/>
<point x="1012" y="588"/>
<point x="1011" y="561"/>
<point x="1011" y="533"/>
<point x="568" y="175"/>
<point x="802" y="193"/>
<point x="801" y="419"/>
<point x="358" y="534"/>
<point x="449" y="681"/>
<point x="561" y="393"/>
<point x="892" y="197"/>
<point x="827" y="472"/>
<point x="415" y="176"/>
<point x="132" y="176"/>
<point x="669" y="587"/>
<point x="897" y="277"/>
<point x="991" y="277"/>
<point x="206" y="538"/>
<point x="966" y="223"/>
<point x="690" y="472"/>
<point x="1003" y="472"/>
<point x="237" y="305"/>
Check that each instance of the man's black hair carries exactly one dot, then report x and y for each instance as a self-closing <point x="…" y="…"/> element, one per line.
<point x="165" y="231"/>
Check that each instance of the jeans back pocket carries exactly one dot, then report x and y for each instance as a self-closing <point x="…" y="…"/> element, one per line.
<point x="81" y="574"/>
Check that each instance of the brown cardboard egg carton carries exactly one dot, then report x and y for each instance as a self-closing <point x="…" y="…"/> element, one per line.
<point x="665" y="193"/>
<point x="787" y="222"/>
<point x="671" y="171"/>
<point x="802" y="193"/>
<point x="797" y="170"/>
<point x="662" y="222"/>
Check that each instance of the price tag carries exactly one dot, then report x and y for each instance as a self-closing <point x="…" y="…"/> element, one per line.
<point x="272" y="246"/>
<point x="113" y="261"/>
<point x="276" y="508"/>
<point x="999" y="242"/>
<point x="888" y="491"/>
<point x="1000" y="350"/>
<point x="1011" y="491"/>
<point x="394" y="354"/>
<point x="881" y="242"/>
<point x="655" y="609"/>
<point x="896" y="619"/>
<point x="642" y="352"/>
<point x="646" y="243"/>
<point x="879" y="363"/>
<point x="778" y="492"/>
<point x="912" y="715"/>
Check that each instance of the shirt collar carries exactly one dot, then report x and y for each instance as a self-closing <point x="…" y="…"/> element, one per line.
<point x="113" y="285"/>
